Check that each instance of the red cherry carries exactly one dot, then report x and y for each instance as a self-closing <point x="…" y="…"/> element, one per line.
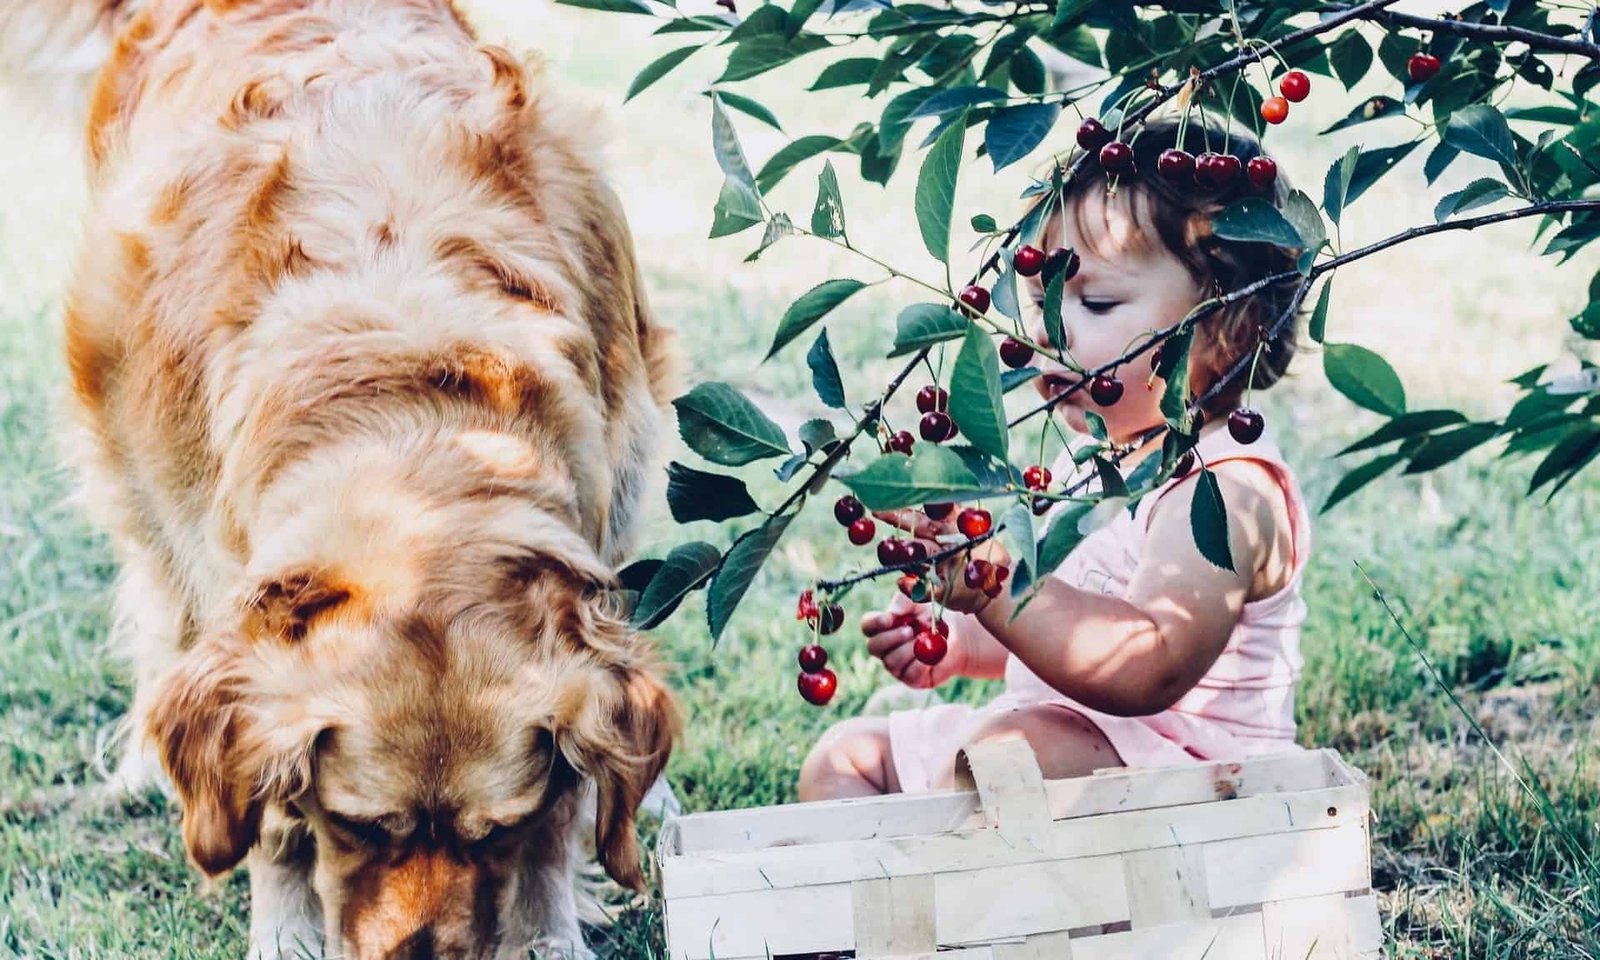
<point x="995" y="579"/>
<point x="937" y="511"/>
<point x="1216" y="171"/>
<point x="1014" y="353"/>
<point x="1092" y="134"/>
<point x="862" y="531"/>
<point x="1036" y="477"/>
<point x="1262" y="171"/>
<point x="1041" y="505"/>
<point x="1064" y="261"/>
<point x="936" y="427"/>
<point x="975" y="297"/>
<point x="1228" y="167"/>
<point x="973" y="522"/>
<point x="1028" y="260"/>
<point x="901" y="442"/>
<point x="929" y="647"/>
<point x="828" y="620"/>
<point x="931" y="398"/>
<point x="975" y="574"/>
<point x="1295" y="86"/>
<point x="1275" y="110"/>
<point x="806" y="609"/>
<point x="818" y="688"/>
<point x="1422" y="67"/>
<point x="915" y="589"/>
<point x="1246" y="425"/>
<point x="813" y="658"/>
<point x="916" y="551"/>
<point x="892" y="552"/>
<point x="1105" y="390"/>
<point x="1184" y="465"/>
<point x="847" y="510"/>
<point x="726" y="5"/>
<point x="1116" y="157"/>
<point x="1177" y="166"/>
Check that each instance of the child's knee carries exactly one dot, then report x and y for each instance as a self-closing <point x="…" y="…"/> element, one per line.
<point x="857" y="748"/>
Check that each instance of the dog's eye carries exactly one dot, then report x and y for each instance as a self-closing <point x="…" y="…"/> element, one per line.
<point x="499" y="833"/>
<point x="369" y="832"/>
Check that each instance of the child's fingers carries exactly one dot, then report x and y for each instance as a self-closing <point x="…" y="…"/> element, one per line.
<point x="914" y="522"/>
<point x="885" y="642"/>
<point x="899" y="661"/>
<point x="877" y="622"/>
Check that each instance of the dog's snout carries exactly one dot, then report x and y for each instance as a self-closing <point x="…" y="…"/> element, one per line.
<point x="418" y="946"/>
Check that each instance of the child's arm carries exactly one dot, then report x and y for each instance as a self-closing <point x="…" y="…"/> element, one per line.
<point x="1139" y="654"/>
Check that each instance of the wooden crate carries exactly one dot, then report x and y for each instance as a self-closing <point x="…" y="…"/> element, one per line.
<point x="1268" y="859"/>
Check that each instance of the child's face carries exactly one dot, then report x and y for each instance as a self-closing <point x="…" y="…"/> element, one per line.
<point x="1129" y="286"/>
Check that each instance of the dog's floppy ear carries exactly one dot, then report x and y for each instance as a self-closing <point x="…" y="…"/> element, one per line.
<point x="621" y="738"/>
<point x="198" y="722"/>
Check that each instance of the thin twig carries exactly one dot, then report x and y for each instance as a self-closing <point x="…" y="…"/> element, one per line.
<point x="1493" y="32"/>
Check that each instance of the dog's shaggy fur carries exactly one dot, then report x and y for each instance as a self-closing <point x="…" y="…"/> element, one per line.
<point x="366" y="392"/>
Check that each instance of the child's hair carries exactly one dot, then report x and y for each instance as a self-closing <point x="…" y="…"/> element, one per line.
<point x="1181" y="217"/>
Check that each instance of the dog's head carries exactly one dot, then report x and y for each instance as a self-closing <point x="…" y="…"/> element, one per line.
<point x="436" y="752"/>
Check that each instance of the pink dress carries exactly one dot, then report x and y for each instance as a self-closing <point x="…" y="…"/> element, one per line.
<point x="1244" y="705"/>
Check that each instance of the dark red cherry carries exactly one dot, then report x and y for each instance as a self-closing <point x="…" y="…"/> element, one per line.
<point x="1105" y="390"/>
<point x="1028" y="260"/>
<point x="901" y="442"/>
<point x="929" y="647"/>
<point x="1422" y="67"/>
<point x="847" y="510"/>
<point x="813" y="658"/>
<point x="1092" y="135"/>
<point x="973" y="522"/>
<point x="975" y="297"/>
<point x="1177" y="166"/>
<point x="862" y="531"/>
<point x="1036" y="477"/>
<point x="1116" y="157"/>
<point x="1246" y="425"/>
<point x="1014" y="353"/>
<point x="1295" y="86"/>
<point x="937" y="511"/>
<point x="893" y="552"/>
<point x="818" y="688"/>
<point x="1262" y="171"/>
<point x="936" y="427"/>
<point x="1062" y="260"/>
<point x="931" y="398"/>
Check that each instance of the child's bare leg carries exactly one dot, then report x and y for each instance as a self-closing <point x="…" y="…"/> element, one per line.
<point x="851" y="760"/>
<point x="1066" y="742"/>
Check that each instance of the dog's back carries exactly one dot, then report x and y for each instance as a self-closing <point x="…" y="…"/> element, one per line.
<point x="321" y="220"/>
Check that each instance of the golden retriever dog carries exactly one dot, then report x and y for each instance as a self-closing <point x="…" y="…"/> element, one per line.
<point x="366" y="391"/>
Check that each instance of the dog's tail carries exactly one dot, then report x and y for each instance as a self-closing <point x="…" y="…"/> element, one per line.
<point x="52" y="48"/>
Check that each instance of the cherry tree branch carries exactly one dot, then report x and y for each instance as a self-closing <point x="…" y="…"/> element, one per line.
<point x="1492" y="32"/>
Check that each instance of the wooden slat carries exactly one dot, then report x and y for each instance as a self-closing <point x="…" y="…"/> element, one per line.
<point x="1010" y="788"/>
<point x="894" y="917"/>
<point x="1230" y="938"/>
<point x="1366" y="930"/>
<point x="978" y="906"/>
<point x="1167" y="886"/>
<point x="1306" y="863"/>
<point x="1107" y="792"/>
<point x="719" y="873"/>
<point x="1307" y="928"/>
<point x="1044" y="946"/>
<point x="740" y="925"/>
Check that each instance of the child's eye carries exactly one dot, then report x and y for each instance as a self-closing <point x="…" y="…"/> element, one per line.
<point x="1100" y="306"/>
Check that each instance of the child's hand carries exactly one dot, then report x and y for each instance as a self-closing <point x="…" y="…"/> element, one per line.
<point x="891" y="635"/>
<point x="989" y="561"/>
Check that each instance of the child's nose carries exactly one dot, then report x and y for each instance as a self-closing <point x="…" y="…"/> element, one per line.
<point x="1041" y="335"/>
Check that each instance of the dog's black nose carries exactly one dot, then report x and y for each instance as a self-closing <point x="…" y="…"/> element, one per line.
<point x="418" y="946"/>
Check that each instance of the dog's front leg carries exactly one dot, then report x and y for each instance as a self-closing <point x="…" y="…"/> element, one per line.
<point x="285" y="913"/>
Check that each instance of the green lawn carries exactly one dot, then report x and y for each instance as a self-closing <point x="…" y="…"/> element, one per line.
<point x="1503" y="592"/>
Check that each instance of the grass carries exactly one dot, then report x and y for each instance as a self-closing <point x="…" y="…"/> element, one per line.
<point x="1502" y="592"/>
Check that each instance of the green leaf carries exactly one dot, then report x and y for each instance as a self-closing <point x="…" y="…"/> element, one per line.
<point x="1256" y="220"/>
<point x="1440" y="157"/>
<point x="827" y="218"/>
<point x="825" y="377"/>
<point x="739" y="569"/>
<point x="698" y="495"/>
<point x="932" y="474"/>
<point x="846" y="73"/>
<point x="1574" y="451"/>
<point x="1318" y="327"/>
<point x="949" y="101"/>
<point x="975" y="399"/>
<point x="778" y="227"/>
<point x="684" y="569"/>
<point x="1482" y="131"/>
<point x="725" y="144"/>
<point x="1003" y="295"/>
<point x="609" y="6"/>
<point x="1028" y="72"/>
<point x="1017" y="533"/>
<point x="788" y="157"/>
<point x="657" y="69"/>
<point x="812" y="306"/>
<point x="1174" y="368"/>
<point x="817" y="434"/>
<point x="1208" y="521"/>
<point x="924" y="324"/>
<point x="722" y="425"/>
<point x="1478" y="193"/>
<point x="1060" y="538"/>
<point x="758" y="54"/>
<point x="1403" y="426"/>
<point x="895" y="121"/>
<point x="749" y="107"/>
<point x="1302" y="214"/>
<point x="1587" y="323"/>
<point x="699" y="24"/>
<point x="1012" y="379"/>
<point x="1368" y="110"/>
<point x="1351" y="57"/>
<point x="983" y="223"/>
<point x="1360" y="477"/>
<point x="799" y="13"/>
<point x="1054" y="292"/>
<point x="1336" y="185"/>
<point x="1112" y="483"/>
<point x="936" y="191"/>
<point x="1014" y="132"/>
<point x="738" y="208"/>
<point x="1372" y="165"/>
<point x="1442" y="448"/>
<point x="1364" y="377"/>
